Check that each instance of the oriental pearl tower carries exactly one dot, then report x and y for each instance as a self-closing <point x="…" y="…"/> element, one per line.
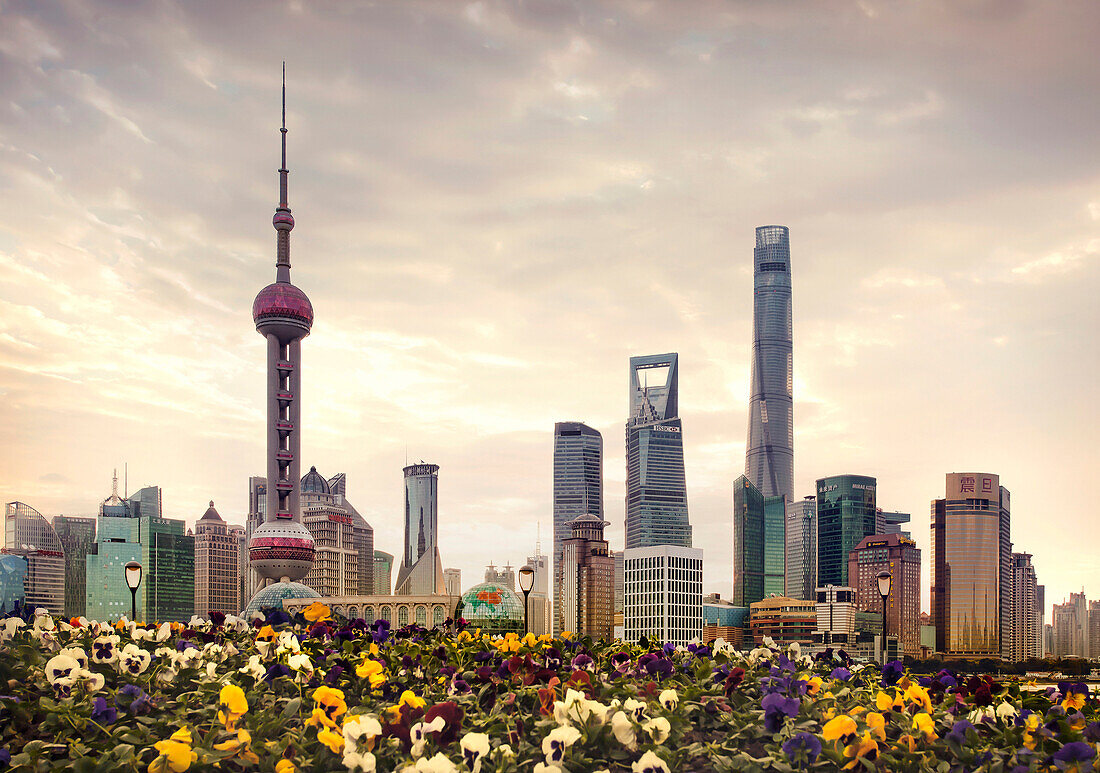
<point x="281" y="550"/>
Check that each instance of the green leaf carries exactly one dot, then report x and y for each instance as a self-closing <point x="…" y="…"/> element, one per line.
<point x="292" y="706"/>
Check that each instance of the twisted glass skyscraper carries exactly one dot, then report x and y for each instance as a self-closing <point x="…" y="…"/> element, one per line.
<point x="656" y="488"/>
<point x="769" y="453"/>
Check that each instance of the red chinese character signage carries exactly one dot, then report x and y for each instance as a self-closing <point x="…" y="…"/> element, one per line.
<point x="987" y="485"/>
<point x="966" y="485"/>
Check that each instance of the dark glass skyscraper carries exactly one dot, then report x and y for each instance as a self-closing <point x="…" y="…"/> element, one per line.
<point x="769" y="453"/>
<point x="421" y="571"/>
<point x="759" y="543"/>
<point x="845" y="515"/>
<point x="656" y="488"/>
<point x="77" y="537"/>
<point x="578" y="483"/>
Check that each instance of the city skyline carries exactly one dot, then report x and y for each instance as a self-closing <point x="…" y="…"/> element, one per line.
<point x="471" y="302"/>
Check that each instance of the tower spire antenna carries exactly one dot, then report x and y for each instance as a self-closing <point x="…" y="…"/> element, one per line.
<point x="283" y="220"/>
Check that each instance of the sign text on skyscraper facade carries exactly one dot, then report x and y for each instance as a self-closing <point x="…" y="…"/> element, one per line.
<point x="966" y="485"/>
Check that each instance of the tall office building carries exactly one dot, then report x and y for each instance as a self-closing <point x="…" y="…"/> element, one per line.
<point x="28" y="534"/>
<point x="664" y="594"/>
<point x="900" y="557"/>
<point x="586" y="578"/>
<point x="335" y="570"/>
<point x="1041" y="604"/>
<point x="970" y="581"/>
<point x="619" y="608"/>
<point x="656" y="487"/>
<point x="421" y="571"/>
<point x="846" y="513"/>
<point x="118" y="542"/>
<point x="383" y="572"/>
<point x="538" y="602"/>
<point x="217" y="566"/>
<point x="801" y="574"/>
<point x="578" y="480"/>
<point x="362" y="535"/>
<point x="759" y="544"/>
<point x="77" y="536"/>
<point x="168" y="568"/>
<point x="769" y="453"/>
<point x="504" y="576"/>
<point x="281" y="548"/>
<point x="1027" y="622"/>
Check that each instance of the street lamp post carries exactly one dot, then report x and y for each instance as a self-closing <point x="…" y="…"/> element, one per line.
<point x="132" y="572"/>
<point x="884" y="578"/>
<point x="526" y="582"/>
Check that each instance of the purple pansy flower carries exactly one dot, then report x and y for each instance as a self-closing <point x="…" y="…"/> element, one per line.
<point x="776" y="710"/>
<point x="802" y="748"/>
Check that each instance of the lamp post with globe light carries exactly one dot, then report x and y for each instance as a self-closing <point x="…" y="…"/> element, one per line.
<point x="526" y="582"/>
<point x="132" y="572"/>
<point x="884" y="579"/>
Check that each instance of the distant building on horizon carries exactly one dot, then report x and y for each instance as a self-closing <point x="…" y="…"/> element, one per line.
<point x="383" y="572"/>
<point x="1094" y="629"/>
<point x="77" y="536"/>
<point x="663" y="594"/>
<point x="28" y="534"/>
<point x="217" y="566"/>
<point x="769" y="452"/>
<point x="538" y="603"/>
<point x="257" y="508"/>
<point x="656" y="485"/>
<point x="890" y="522"/>
<point x="240" y="534"/>
<point x="971" y="567"/>
<point x="801" y="558"/>
<point x="578" y="484"/>
<point x="901" y="557"/>
<point x="452" y="581"/>
<point x="421" y="571"/>
<point x="586" y="578"/>
<point x="846" y="513"/>
<point x="759" y="544"/>
<point x="1071" y="627"/>
<point x="362" y="535"/>
<point x="504" y="576"/>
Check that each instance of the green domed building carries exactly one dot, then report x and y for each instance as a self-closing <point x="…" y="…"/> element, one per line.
<point x="493" y="608"/>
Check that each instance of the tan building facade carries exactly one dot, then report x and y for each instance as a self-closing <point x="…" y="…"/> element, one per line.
<point x="586" y="581"/>
<point x="900" y="557"/>
<point x="427" y="611"/>
<point x="217" y="566"/>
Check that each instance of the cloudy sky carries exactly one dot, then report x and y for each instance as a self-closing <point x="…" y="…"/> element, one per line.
<point x="498" y="203"/>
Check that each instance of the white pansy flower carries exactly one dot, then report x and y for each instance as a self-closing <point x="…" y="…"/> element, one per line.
<point x="364" y="761"/>
<point x="133" y="660"/>
<point x="474" y="747"/>
<point x="164" y="632"/>
<point x="635" y="709"/>
<point x="105" y="648"/>
<point x="418" y="734"/>
<point x="560" y="739"/>
<point x="623" y="730"/>
<point x="10" y="627"/>
<point x="649" y="763"/>
<point x="541" y="767"/>
<point x="658" y="729"/>
<point x="253" y="667"/>
<point x="1006" y="710"/>
<point x="61" y="667"/>
<point x="437" y="764"/>
<point x="669" y="699"/>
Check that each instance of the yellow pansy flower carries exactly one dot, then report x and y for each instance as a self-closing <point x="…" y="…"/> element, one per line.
<point x="877" y="725"/>
<point x="867" y="749"/>
<point x="233" y="705"/>
<point x="330" y="705"/>
<point x="923" y="722"/>
<point x="918" y="696"/>
<point x="241" y="746"/>
<point x="316" y="612"/>
<point x="285" y="766"/>
<point x="841" y="729"/>
<point x="334" y="741"/>
<point x="371" y="670"/>
<point x="174" y="754"/>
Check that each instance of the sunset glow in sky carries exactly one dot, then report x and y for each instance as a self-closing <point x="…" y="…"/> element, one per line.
<point x="497" y="204"/>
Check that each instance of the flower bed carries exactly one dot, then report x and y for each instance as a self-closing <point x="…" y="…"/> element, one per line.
<point x="316" y="693"/>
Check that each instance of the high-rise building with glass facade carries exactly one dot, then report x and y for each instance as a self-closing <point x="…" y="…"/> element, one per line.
<point x="118" y="542"/>
<point x="257" y="507"/>
<point x="769" y="453"/>
<point x="801" y="575"/>
<point x="759" y="543"/>
<point x="240" y="534"/>
<point x="383" y="572"/>
<point x="656" y="486"/>
<point x="846" y="513"/>
<point x="899" y="556"/>
<point x="168" y="573"/>
<point x="586" y="579"/>
<point x="421" y="571"/>
<point x="28" y="534"/>
<point x="217" y="566"/>
<point x="13" y="574"/>
<point x="538" y="602"/>
<point x="578" y="481"/>
<point x="664" y="594"/>
<point x="1071" y="627"/>
<point x="891" y="522"/>
<point x="77" y="537"/>
<point x="971" y="583"/>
